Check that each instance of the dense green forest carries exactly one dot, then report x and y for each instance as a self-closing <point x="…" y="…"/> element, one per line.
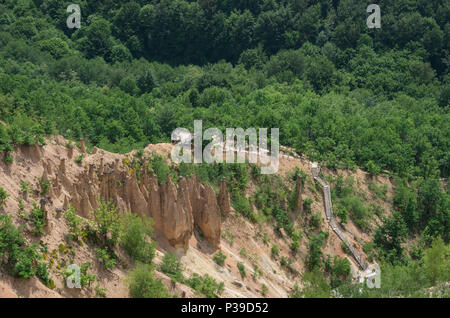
<point x="341" y="93"/>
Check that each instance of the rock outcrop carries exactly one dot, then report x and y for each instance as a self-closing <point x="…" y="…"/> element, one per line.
<point x="177" y="218"/>
<point x="208" y="217"/>
<point x="224" y="198"/>
<point x="175" y="208"/>
<point x="82" y="146"/>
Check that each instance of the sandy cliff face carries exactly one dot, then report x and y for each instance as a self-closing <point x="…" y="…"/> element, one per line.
<point x="224" y="198"/>
<point x="176" y="208"/>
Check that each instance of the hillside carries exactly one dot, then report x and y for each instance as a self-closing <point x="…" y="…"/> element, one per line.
<point x="90" y="99"/>
<point x="194" y="242"/>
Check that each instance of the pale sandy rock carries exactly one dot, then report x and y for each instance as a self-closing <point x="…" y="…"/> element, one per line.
<point x="6" y="291"/>
<point x="178" y="225"/>
<point x="82" y="146"/>
<point x="207" y="217"/>
<point x="154" y="209"/>
<point x="138" y="204"/>
<point x="224" y="198"/>
<point x="62" y="165"/>
<point x="70" y="152"/>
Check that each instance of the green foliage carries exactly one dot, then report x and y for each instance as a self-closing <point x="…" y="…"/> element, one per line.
<point x="219" y="258"/>
<point x="143" y="284"/>
<point x="270" y="197"/>
<point x="106" y="257"/>
<point x="307" y="204"/>
<point x="128" y="85"/>
<point x="391" y="235"/>
<point x="24" y="187"/>
<point x="296" y="293"/>
<point x="43" y="274"/>
<point x="416" y="278"/>
<point x="206" y="286"/>
<point x="341" y="213"/>
<point x="349" y="203"/>
<point x="376" y="210"/>
<point x="372" y="168"/>
<point x="315" y="286"/>
<point x="343" y="96"/>
<point x="296" y="237"/>
<point x="264" y="290"/>
<point x="346" y="249"/>
<point x="287" y="263"/>
<point x="172" y="267"/>
<point x="146" y="80"/>
<point x="45" y="185"/>
<point x="241" y="269"/>
<point x="357" y="210"/>
<point x="343" y="187"/>
<point x="15" y="256"/>
<point x="85" y="278"/>
<point x="98" y="41"/>
<point x="437" y="262"/>
<point x="226" y="234"/>
<point x="107" y="222"/>
<point x="288" y="69"/>
<point x="274" y="251"/>
<point x="3" y="196"/>
<point x="25" y="265"/>
<point x="79" y="159"/>
<point x="240" y="204"/>
<point x="339" y="270"/>
<point x="55" y="46"/>
<point x="135" y="238"/>
<point x="158" y="165"/>
<point x="405" y="201"/>
<point x="11" y="237"/>
<point x="434" y="208"/>
<point x="341" y="267"/>
<point x="314" y="256"/>
<point x="256" y="272"/>
<point x="8" y="159"/>
<point x="100" y="292"/>
<point x="369" y="250"/>
<point x="37" y="218"/>
<point x="265" y="239"/>
<point x="315" y="221"/>
<point x="74" y="222"/>
<point x="379" y="190"/>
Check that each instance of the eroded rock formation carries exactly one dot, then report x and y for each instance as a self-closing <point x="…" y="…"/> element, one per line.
<point x="82" y="146"/>
<point x="224" y="198"/>
<point x="175" y="208"/>
<point x="177" y="222"/>
<point x="208" y="216"/>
